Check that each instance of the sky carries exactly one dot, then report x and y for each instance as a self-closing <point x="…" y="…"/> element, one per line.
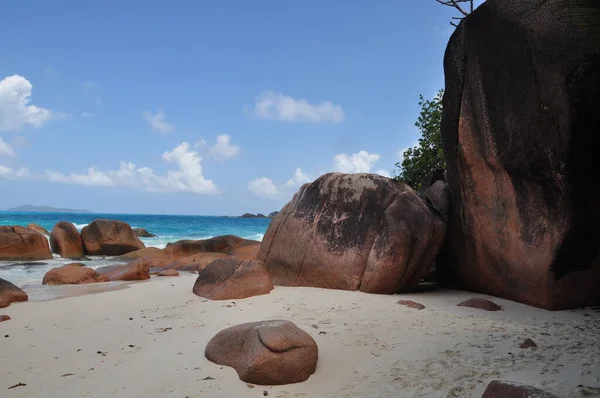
<point x="207" y="107"/>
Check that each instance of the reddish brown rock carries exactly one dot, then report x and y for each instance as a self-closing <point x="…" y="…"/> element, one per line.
<point x="23" y="244"/>
<point x="233" y="278"/>
<point x="4" y="318"/>
<point x="528" y="343"/>
<point x="10" y="293"/>
<point x="412" y="304"/>
<point x="109" y="238"/>
<point x="506" y="389"/>
<point x="266" y="353"/>
<point x="145" y="252"/>
<point x="353" y="232"/>
<point x="521" y="131"/>
<point x="39" y="229"/>
<point x="480" y="303"/>
<point x="72" y="274"/>
<point x="137" y="270"/>
<point x="142" y="233"/>
<point x="168" y="272"/>
<point x="66" y="241"/>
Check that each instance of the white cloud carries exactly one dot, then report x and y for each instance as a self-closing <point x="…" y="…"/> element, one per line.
<point x="157" y="122"/>
<point x="263" y="187"/>
<point x="270" y="105"/>
<point x="299" y="178"/>
<point x="384" y="173"/>
<point x="5" y="149"/>
<point x="223" y="148"/>
<point x="87" y="114"/>
<point x="360" y="162"/>
<point x="15" y="111"/>
<point x="187" y="177"/>
<point x="14" y="174"/>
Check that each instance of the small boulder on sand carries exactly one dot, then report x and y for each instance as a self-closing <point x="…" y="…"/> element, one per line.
<point x="168" y="272"/>
<point x="66" y="241"/>
<point x="505" y="389"/>
<point x="72" y="274"/>
<point x="10" y="293"/>
<point x="233" y="278"/>
<point x="4" y="318"/>
<point x="266" y="353"/>
<point x="137" y="270"/>
<point x="480" y="303"/>
<point x="411" y="304"/>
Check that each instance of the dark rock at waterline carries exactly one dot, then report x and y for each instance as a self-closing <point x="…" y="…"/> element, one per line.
<point x="109" y="238"/>
<point x="353" y="232"/>
<point x="142" y="233"/>
<point x="507" y="389"/>
<point x="521" y="131"/>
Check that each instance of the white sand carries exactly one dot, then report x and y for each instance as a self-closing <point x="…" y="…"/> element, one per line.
<point x="372" y="347"/>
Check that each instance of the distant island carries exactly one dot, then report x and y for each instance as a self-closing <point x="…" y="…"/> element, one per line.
<point x="46" y="209"/>
<point x="259" y="215"/>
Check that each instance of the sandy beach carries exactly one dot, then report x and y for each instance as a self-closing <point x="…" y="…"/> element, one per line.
<point x="148" y="340"/>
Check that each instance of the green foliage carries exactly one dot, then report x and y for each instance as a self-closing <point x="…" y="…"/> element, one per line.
<point x="428" y="155"/>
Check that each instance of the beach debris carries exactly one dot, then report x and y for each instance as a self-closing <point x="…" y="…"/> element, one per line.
<point x="509" y="389"/>
<point x="208" y="378"/>
<point x="4" y="318"/>
<point x="480" y="303"/>
<point x="6" y="336"/>
<point x="265" y="393"/>
<point x="250" y="385"/>
<point x="67" y="374"/>
<point x="528" y="343"/>
<point x="162" y="330"/>
<point x="322" y="332"/>
<point x="102" y="353"/>
<point x="411" y="304"/>
<point x="272" y="352"/>
<point x="17" y="385"/>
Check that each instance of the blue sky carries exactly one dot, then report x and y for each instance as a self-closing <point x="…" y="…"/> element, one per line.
<point x="207" y="107"/>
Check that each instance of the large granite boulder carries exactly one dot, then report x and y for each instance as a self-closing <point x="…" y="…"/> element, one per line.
<point x="233" y="278"/>
<point x="23" y="244"/>
<point x="72" y="274"/>
<point x="137" y="270"/>
<point x="109" y="238"/>
<point x="39" y="229"/>
<point x="66" y="241"/>
<point x="521" y="132"/>
<point x="353" y="232"/>
<point x="266" y="353"/>
<point x="10" y="293"/>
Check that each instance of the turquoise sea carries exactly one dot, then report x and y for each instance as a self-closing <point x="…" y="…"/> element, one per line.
<point x="169" y="228"/>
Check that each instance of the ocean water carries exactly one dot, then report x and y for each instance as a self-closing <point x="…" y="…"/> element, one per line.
<point x="168" y="228"/>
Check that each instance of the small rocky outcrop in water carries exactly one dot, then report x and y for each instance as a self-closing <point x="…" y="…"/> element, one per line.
<point x="250" y="215"/>
<point x="137" y="270"/>
<point x="10" y="293"/>
<point x="72" y="274"/>
<point x="109" y="238"/>
<point x="353" y="232"/>
<point x="266" y="353"/>
<point x="506" y="389"/>
<point x="23" y="244"/>
<point x="39" y="229"/>
<point x="233" y="278"/>
<point x="142" y="233"/>
<point x="66" y="241"/>
<point x="521" y="130"/>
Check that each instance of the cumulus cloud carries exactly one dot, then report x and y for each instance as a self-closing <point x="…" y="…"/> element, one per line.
<point x="298" y="180"/>
<point x="14" y="174"/>
<point x="157" y="122"/>
<point x="270" y="105"/>
<point x="5" y="149"/>
<point x="384" y="173"/>
<point x="267" y="188"/>
<point x="223" y="148"/>
<point x="16" y="111"/>
<point x="263" y="187"/>
<point x="360" y="162"/>
<point x="187" y="177"/>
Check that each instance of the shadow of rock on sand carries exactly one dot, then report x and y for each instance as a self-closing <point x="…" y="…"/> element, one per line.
<point x="54" y="292"/>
